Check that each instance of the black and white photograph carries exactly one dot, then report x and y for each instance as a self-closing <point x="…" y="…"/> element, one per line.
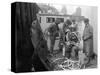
<point x="53" y="37"/>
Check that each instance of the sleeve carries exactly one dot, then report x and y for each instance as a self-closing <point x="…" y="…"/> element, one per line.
<point x="64" y="26"/>
<point x="49" y="28"/>
<point x="91" y="31"/>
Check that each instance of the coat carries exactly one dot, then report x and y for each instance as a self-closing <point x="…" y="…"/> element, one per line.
<point x="88" y="40"/>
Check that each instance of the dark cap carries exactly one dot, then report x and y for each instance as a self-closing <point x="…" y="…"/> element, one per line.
<point x="86" y="20"/>
<point x="73" y="20"/>
<point x="68" y="22"/>
<point x="57" y="21"/>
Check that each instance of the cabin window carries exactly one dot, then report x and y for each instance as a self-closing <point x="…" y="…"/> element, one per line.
<point x="50" y="19"/>
<point x="61" y="19"/>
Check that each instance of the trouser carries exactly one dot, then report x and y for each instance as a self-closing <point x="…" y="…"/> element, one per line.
<point x="74" y="51"/>
<point x="88" y="47"/>
<point x="52" y="43"/>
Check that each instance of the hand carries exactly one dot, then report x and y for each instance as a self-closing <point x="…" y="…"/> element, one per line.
<point x="68" y="43"/>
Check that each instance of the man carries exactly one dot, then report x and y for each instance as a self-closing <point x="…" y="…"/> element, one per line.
<point x="74" y="42"/>
<point x="88" y="40"/>
<point x="66" y="25"/>
<point x="66" y="31"/>
<point x="53" y="33"/>
<point x="74" y="25"/>
<point x="63" y="33"/>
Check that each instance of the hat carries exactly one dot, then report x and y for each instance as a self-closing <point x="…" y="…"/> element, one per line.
<point x="68" y="22"/>
<point x="86" y="20"/>
<point x="73" y="20"/>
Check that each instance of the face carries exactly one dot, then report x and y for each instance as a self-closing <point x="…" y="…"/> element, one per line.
<point x="86" y="23"/>
<point x="57" y="22"/>
<point x="73" y="22"/>
<point x="34" y="23"/>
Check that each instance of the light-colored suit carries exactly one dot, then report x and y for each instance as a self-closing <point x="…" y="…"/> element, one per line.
<point x="88" y="40"/>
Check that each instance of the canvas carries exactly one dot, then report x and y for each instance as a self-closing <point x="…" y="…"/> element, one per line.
<point x="53" y="37"/>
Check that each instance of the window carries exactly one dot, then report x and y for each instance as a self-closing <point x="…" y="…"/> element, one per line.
<point x="50" y="19"/>
<point x="61" y="19"/>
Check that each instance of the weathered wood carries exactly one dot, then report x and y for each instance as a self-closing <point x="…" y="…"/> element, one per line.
<point x="25" y="14"/>
<point x="24" y="47"/>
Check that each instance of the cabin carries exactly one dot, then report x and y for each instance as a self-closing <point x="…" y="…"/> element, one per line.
<point x="47" y="19"/>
